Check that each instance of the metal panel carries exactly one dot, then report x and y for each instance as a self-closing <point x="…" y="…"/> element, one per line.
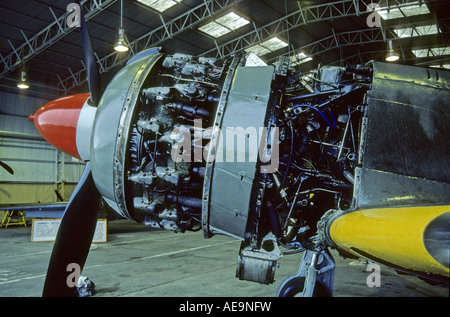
<point x="104" y="134"/>
<point x="379" y="188"/>
<point x="406" y="150"/>
<point x="37" y="167"/>
<point x="14" y="112"/>
<point x="412" y="114"/>
<point x="246" y="108"/>
<point x="110" y="135"/>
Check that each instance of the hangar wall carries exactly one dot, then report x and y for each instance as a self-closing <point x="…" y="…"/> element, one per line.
<point x="39" y="168"/>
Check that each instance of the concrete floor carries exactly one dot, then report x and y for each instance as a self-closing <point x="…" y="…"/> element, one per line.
<point x="141" y="262"/>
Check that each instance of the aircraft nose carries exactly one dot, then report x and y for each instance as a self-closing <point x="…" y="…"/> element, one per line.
<point x="57" y="122"/>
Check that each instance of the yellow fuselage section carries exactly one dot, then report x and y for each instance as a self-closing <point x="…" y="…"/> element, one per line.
<point x="413" y="238"/>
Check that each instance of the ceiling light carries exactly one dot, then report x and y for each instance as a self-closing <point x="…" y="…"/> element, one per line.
<point x="23" y="83"/>
<point x="121" y="45"/>
<point x="223" y="25"/>
<point x="392" y="56"/>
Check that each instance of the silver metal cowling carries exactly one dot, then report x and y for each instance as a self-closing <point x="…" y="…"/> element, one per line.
<point x="246" y="108"/>
<point x="115" y="104"/>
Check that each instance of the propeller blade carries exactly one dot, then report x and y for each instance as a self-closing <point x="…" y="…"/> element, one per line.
<point x="90" y="61"/>
<point x="74" y="236"/>
<point x="7" y="168"/>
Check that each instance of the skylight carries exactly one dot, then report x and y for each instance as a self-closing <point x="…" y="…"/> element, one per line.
<point x="160" y="5"/>
<point x="426" y="52"/>
<point x="267" y="46"/>
<point x="300" y="58"/>
<point x="395" y="13"/>
<point x="444" y="66"/>
<point x="417" y="31"/>
<point x="223" y="25"/>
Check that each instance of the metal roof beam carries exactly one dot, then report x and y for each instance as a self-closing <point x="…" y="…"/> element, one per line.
<point x="357" y="37"/>
<point x="293" y="20"/>
<point x="47" y="36"/>
<point x="167" y="30"/>
<point x="364" y="57"/>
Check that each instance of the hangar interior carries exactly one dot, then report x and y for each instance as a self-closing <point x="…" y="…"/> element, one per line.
<point x="40" y="46"/>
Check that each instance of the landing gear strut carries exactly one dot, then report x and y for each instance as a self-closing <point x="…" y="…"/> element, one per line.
<point x="314" y="277"/>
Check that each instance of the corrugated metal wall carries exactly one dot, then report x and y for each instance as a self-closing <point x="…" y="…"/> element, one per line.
<point x="39" y="168"/>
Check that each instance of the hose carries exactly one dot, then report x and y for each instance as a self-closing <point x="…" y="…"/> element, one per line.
<point x="320" y="112"/>
<point x="274" y="221"/>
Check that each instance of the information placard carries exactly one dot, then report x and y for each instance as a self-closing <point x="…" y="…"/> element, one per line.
<point x="46" y="230"/>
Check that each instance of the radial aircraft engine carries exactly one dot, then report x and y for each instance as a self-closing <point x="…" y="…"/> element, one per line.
<point x="353" y="158"/>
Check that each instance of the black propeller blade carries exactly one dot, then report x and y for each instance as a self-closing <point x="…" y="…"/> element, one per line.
<point x="74" y="236"/>
<point x="93" y="74"/>
<point x="7" y="168"/>
<point x="77" y="226"/>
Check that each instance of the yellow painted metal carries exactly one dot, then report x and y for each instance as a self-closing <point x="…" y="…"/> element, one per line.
<point x="392" y="235"/>
<point x="7" y="219"/>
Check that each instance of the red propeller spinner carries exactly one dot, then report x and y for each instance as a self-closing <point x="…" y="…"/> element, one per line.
<point x="66" y="123"/>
